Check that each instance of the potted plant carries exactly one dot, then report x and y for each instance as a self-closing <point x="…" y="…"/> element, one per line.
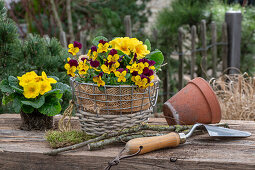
<point x="115" y="84"/>
<point x="36" y="98"/>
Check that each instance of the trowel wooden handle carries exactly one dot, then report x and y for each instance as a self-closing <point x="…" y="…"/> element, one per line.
<point x="153" y="143"/>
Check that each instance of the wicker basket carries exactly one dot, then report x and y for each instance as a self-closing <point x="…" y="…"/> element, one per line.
<point x="114" y="107"/>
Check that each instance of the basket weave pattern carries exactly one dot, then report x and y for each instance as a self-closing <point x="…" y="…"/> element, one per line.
<point x="114" y="107"/>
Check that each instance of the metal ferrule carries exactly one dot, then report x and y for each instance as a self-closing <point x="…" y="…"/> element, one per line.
<point x="182" y="138"/>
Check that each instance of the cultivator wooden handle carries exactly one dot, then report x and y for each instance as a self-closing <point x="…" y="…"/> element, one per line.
<point x="153" y="143"/>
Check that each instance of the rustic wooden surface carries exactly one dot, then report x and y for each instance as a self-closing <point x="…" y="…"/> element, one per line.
<point x="23" y="150"/>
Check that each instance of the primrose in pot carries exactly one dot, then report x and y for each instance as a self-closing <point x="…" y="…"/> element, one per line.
<point x="36" y="98"/>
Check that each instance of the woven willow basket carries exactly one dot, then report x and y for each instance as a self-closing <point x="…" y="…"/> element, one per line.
<point x="114" y="107"/>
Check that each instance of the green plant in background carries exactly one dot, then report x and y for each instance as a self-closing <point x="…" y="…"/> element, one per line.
<point x="217" y="9"/>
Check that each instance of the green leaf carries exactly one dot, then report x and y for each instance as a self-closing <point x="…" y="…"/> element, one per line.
<point x="17" y="104"/>
<point x="5" y="87"/>
<point x="156" y="56"/>
<point x="148" y="44"/>
<point x="6" y="99"/>
<point x="14" y="83"/>
<point x="61" y="86"/>
<point x="27" y="109"/>
<point x="54" y="91"/>
<point x="56" y="78"/>
<point x="51" y="107"/>
<point x="36" y="103"/>
<point x="96" y="40"/>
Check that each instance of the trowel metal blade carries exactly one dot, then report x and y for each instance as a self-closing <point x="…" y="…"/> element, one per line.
<point x="225" y="132"/>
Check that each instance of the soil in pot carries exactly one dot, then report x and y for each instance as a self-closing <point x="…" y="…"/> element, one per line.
<point x="35" y="121"/>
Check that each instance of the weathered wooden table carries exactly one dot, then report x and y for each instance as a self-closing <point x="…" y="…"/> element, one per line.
<point x="23" y="150"/>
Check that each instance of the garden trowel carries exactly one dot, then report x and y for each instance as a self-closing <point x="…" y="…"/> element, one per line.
<point x="147" y="144"/>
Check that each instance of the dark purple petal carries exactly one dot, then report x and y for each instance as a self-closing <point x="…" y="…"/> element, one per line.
<point x="126" y="70"/>
<point x="120" y="70"/>
<point x="94" y="63"/>
<point x="111" y="63"/>
<point x="73" y="63"/>
<point x="135" y="73"/>
<point x="112" y="52"/>
<point x="146" y="70"/>
<point x="135" y="57"/>
<point x="144" y="60"/>
<point x="151" y="63"/>
<point x="83" y="58"/>
<point x="101" y="74"/>
<point x="93" y="48"/>
<point x="150" y="73"/>
<point x="77" y="44"/>
<point x="102" y="41"/>
<point x="144" y="76"/>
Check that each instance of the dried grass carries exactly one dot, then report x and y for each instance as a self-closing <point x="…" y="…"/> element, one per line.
<point x="236" y="94"/>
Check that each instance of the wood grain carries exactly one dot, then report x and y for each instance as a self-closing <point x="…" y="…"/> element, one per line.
<point x="23" y="150"/>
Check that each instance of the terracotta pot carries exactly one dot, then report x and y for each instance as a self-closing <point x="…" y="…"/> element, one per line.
<point x="195" y="103"/>
<point x="35" y="121"/>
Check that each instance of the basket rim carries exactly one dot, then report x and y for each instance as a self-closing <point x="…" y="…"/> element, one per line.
<point x="110" y="86"/>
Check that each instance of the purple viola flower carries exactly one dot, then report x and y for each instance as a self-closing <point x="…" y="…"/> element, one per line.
<point x="144" y="76"/>
<point x="112" y="52"/>
<point x="150" y="73"/>
<point x="102" y="42"/>
<point x="151" y="63"/>
<point x="83" y="58"/>
<point x="120" y="70"/>
<point x="111" y="63"/>
<point x="101" y="74"/>
<point x="146" y="70"/>
<point x="134" y="73"/>
<point x="77" y="44"/>
<point x="73" y="62"/>
<point x="93" y="48"/>
<point x="120" y="59"/>
<point x="94" y="63"/>
<point x="144" y="60"/>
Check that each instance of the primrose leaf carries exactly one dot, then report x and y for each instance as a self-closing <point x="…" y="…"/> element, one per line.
<point x="148" y="44"/>
<point x="5" y="87"/>
<point x="27" y="109"/>
<point x="51" y="107"/>
<point x="96" y="40"/>
<point x="14" y="83"/>
<point x="36" y="103"/>
<point x="156" y="56"/>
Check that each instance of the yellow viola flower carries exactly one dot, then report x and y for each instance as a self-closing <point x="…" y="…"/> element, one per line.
<point x="83" y="67"/>
<point x="73" y="50"/>
<point x="31" y="90"/>
<point x="121" y="76"/>
<point x="45" y="78"/>
<point x="27" y="78"/>
<point x="103" y="46"/>
<point x="141" y="51"/>
<point x="105" y="69"/>
<point x="113" y="58"/>
<point x="70" y="70"/>
<point x="92" y="55"/>
<point x="44" y="87"/>
<point x="99" y="81"/>
<point x="151" y="77"/>
<point x="140" y="82"/>
<point x="133" y="68"/>
<point x="140" y="67"/>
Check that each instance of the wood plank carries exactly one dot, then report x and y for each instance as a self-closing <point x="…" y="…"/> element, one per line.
<point x="181" y="58"/>
<point x="214" y="48"/>
<point x="204" y="51"/>
<point x="193" y="48"/>
<point x="199" y="151"/>
<point x="128" y="27"/>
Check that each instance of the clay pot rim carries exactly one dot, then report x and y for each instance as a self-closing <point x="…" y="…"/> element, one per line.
<point x="211" y="98"/>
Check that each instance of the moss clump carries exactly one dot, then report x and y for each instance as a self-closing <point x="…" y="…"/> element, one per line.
<point x="59" y="139"/>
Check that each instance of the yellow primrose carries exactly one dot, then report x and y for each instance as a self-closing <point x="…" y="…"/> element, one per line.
<point x="121" y="76"/>
<point x="133" y="43"/>
<point x="113" y="58"/>
<point x="45" y="78"/>
<point x="103" y="47"/>
<point x="31" y="90"/>
<point x="27" y="78"/>
<point x="133" y="68"/>
<point x="70" y="70"/>
<point x="83" y="67"/>
<point x="122" y="44"/>
<point x="44" y="87"/>
<point x="73" y="50"/>
<point x="141" y="51"/>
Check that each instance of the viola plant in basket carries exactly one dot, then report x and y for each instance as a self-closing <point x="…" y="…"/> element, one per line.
<point x="115" y="77"/>
<point x="36" y="98"/>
